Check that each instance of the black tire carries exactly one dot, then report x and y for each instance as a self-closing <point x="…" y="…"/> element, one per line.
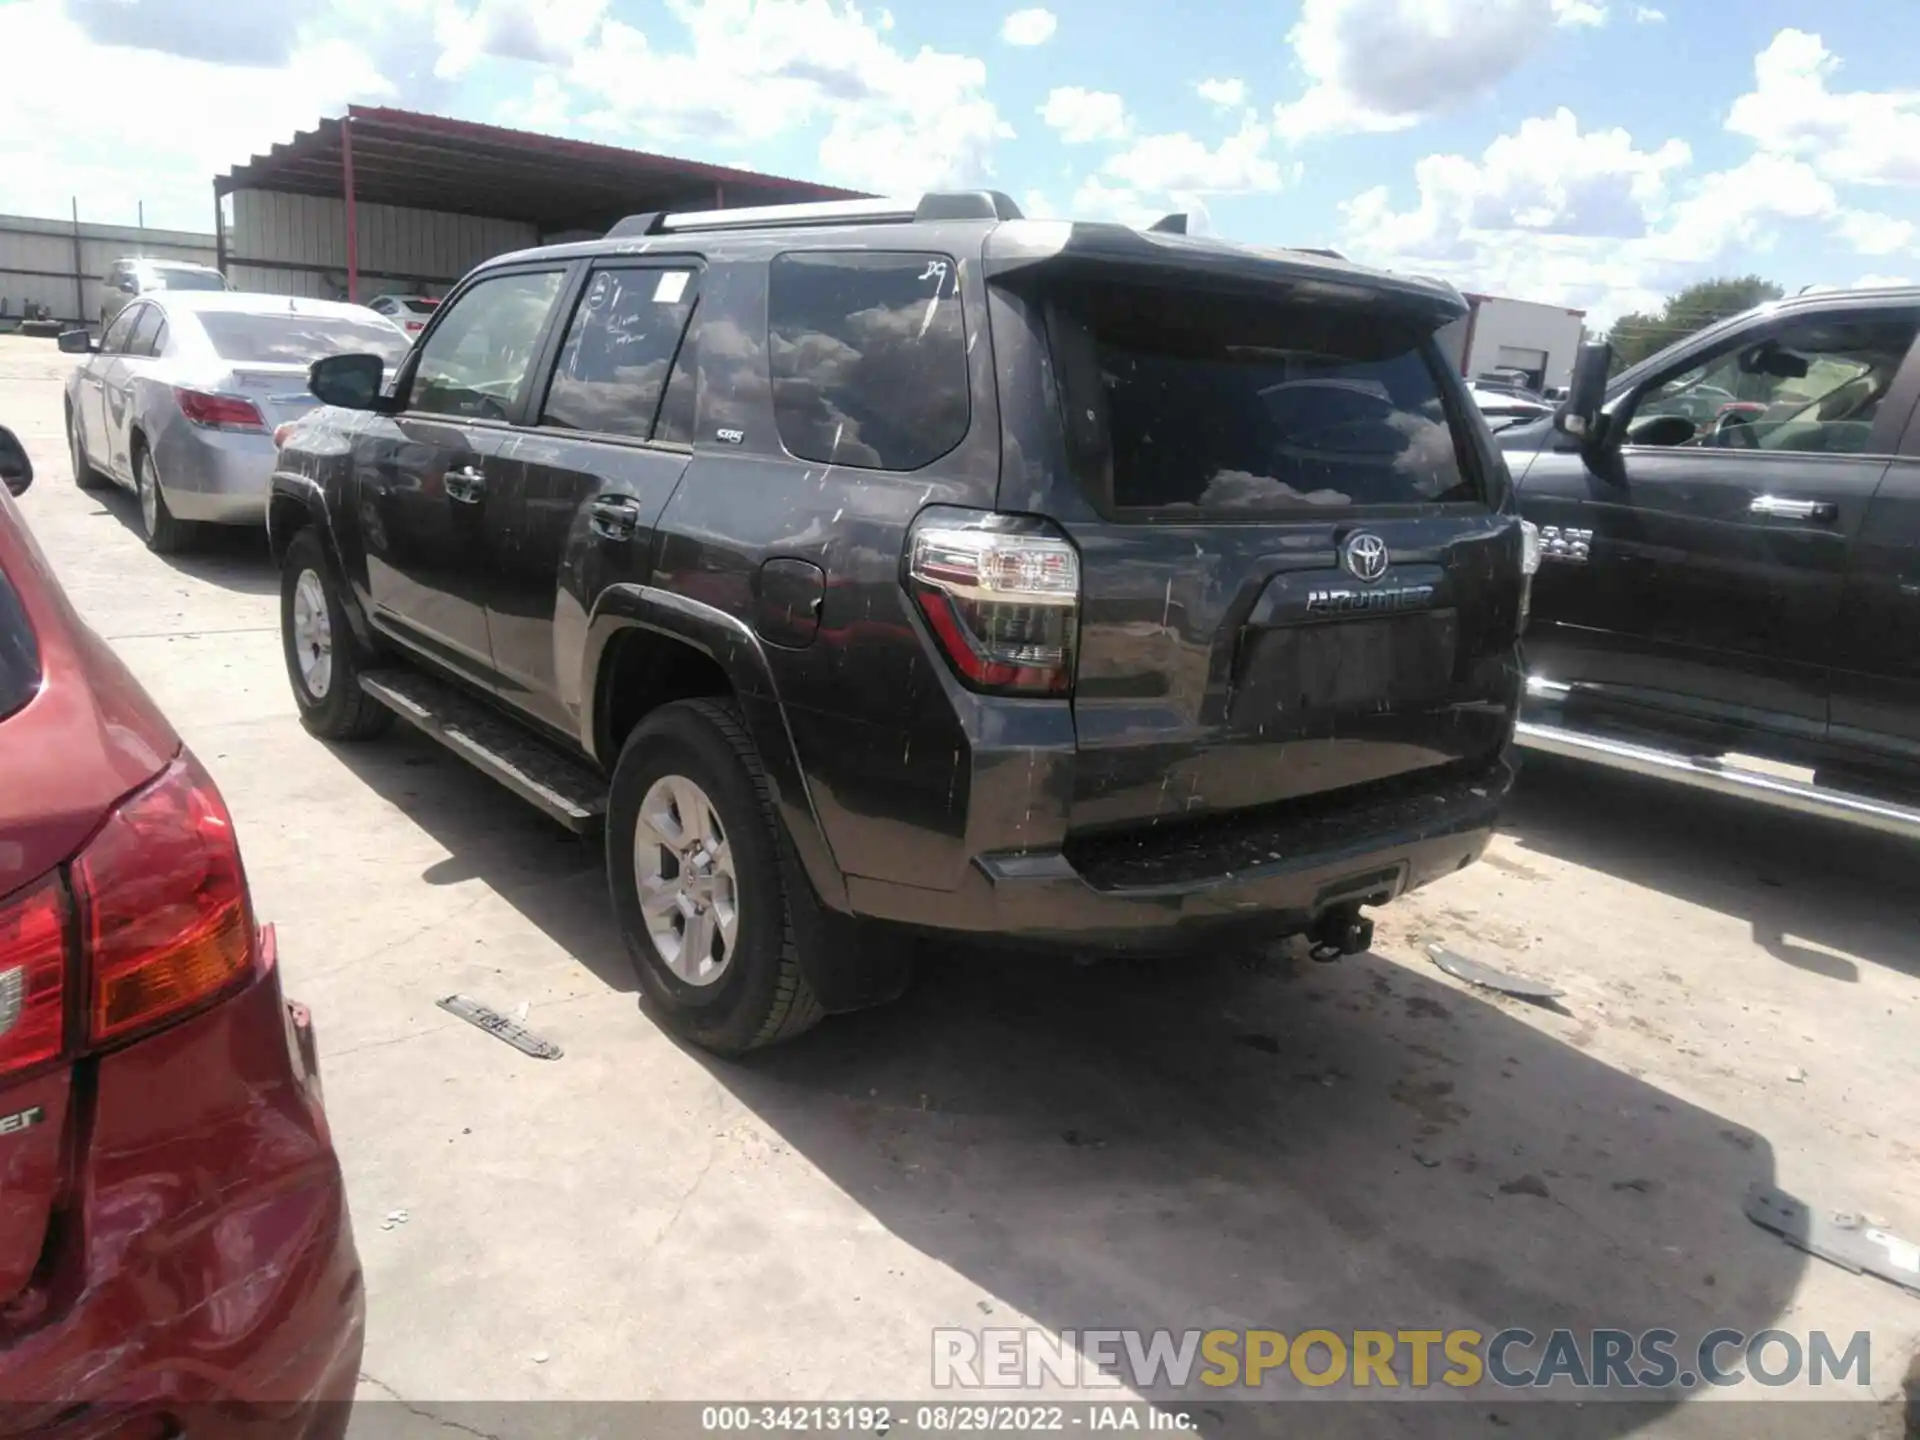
<point x="340" y="710"/>
<point x="762" y="995"/>
<point x="84" y="475"/>
<point x="165" y="534"/>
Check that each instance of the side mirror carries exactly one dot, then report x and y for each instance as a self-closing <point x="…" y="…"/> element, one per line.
<point x="1662" y="430"/>
<point x="349" y="381"/>
<point x="128" y="285"/>
<point x="15" y="468"/>
<point x="77" y="342"/>
<point x="1579" y="413"/>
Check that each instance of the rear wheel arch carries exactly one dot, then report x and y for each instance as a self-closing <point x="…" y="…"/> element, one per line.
<point x="646" y="648"/>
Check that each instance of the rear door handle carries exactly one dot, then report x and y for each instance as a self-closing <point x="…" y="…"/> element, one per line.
<point x="466" y="485"/>
<point x="1781" y="507"/>
<point x="614" y="517"/>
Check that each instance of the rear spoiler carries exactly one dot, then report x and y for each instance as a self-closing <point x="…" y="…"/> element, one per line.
<point x="1021" y="250"/>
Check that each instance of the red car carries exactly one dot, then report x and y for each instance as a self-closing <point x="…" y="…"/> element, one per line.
<point x="175" y="1251"/>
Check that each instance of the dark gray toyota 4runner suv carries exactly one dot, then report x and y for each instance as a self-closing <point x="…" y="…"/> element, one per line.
<point x="869" y="569"/>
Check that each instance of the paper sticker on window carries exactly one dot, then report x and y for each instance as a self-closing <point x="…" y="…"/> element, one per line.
<point x="672" y="285"/>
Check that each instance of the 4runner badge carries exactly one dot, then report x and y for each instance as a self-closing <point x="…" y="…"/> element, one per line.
<point x="1365" y="556"/>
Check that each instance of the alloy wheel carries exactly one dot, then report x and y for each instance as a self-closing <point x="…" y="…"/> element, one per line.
<point x="689" y="888"/>
<point x="313" y="634"/>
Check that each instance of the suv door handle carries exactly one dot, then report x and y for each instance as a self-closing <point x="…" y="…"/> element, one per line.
<point x="614" y="517"/>
<point x="1780" y="507"/>
<point x="467" y="485"/>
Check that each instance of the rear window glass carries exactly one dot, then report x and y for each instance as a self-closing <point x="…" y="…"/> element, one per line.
<point x="19" y="653"/>
<point x="613" y="366"/>
<point x="165" y="279"/>
<point x="1230" y="406"/>
<point x="297" y="339"/>
<point x="420" y="307"/>
<point x="868" y="356"/>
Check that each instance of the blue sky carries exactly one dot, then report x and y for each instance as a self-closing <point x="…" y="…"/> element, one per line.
<point x="1596" y="153"/>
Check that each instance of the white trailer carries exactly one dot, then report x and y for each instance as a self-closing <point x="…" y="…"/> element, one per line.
<point x="1522" y="338"/>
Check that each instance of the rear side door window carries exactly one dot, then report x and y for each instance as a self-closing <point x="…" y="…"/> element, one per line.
<point x="619" y="351"/>
<point x="475" y="363"/>
<point x="868" y="356"/>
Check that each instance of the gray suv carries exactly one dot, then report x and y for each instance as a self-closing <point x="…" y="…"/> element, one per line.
<point x="127" y="280"/>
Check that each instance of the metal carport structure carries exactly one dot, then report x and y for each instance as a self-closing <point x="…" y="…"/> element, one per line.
<point x="380" y="199"/>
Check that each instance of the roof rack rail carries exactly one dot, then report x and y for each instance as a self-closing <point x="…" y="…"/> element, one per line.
<point x="1312" y="250"/>
<point x="934" y="205"/>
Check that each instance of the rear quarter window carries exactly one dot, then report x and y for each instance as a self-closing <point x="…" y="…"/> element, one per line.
<point x="1234" y="406"/>
<point x="868" y="355"/>
<point x="19" y="652"/>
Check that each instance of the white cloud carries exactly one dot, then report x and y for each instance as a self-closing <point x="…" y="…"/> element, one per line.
<point x="1874" y="234"/>
<point x="1229" y="94"/>
<point x="545" y="32"/>
<point x="1647" y="15"/>
<point x="895" y="122"/>
<point x="1379" y="65"/>
<point x="1029" y="27"/>
<point x="1083" y="116"/>
<point x="1852" y="136"/>
<point x="153" y="126"/>
<point x="1586" y="219"/>
<point x="1871" y="282"/>
<point x="1178" y="162"/>
<point x="1579" y="12"/>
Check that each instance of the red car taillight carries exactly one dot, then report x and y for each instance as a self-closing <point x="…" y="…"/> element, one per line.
<point x="159" y="925"/>
<point x="165" y="921"/>
<point x="219" y="412"/>
<point x="33" y="977"/>
<point x="1003" y="605"/>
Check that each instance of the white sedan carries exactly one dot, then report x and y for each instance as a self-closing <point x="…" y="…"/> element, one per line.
<point x="178" y="400"/>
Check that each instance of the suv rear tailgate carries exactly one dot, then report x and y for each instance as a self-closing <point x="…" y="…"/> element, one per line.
<point x="1295" y="577"/>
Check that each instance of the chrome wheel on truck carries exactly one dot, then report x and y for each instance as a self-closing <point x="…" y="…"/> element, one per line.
<point x="705" y="904"/>
<point x="312" y="634"/>
<point x="689" y="891"/>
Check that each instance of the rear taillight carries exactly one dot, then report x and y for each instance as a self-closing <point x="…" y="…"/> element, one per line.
<point x="414" y="327"/>
<point x="33" y="977"/>
<point x="218" y="412"/>
<point x="1003" y="603"/>
<point x="165" y="922"/>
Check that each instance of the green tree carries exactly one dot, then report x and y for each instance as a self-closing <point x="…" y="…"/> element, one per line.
<point x="1636" y="336"/>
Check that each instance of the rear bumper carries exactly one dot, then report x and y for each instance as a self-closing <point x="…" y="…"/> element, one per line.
<point x="205" y="1271"/>
<point x="1261" y="876"/>
<point x="216" y="477"/>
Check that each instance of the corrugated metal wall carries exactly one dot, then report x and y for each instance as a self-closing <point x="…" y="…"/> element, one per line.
<point x="37" y="261"/>
<point x="300" y="244"/>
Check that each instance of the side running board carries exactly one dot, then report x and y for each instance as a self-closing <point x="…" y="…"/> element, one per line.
<point x="1723" y="779"/>
<point x="567" y="789"/>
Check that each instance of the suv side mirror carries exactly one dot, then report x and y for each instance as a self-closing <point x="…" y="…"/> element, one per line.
<point x="15" y="468"/>
<point x="350" y="381"/>
<point x="1579" y="413"/>
<point x="128" y="285"/>
<point x="77" y="342"/>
